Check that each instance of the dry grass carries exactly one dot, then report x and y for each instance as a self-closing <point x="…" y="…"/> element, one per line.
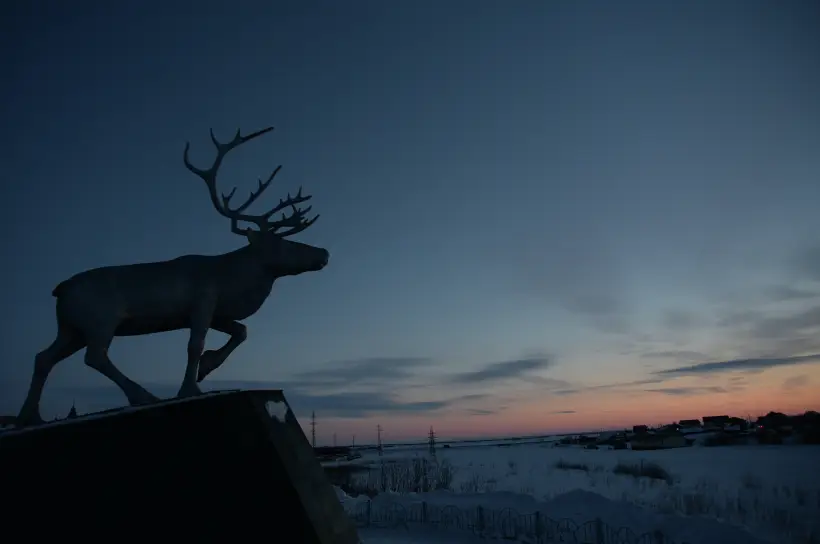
<point x="415" y="475"/>
<point x="566" y="465"/>
<point x="644" y="469"/>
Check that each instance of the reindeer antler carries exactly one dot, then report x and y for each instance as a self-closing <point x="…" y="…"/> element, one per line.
<point x="296" y="220"/>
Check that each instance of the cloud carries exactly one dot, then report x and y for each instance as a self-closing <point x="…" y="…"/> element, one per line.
<point x="677" y="355"/>
<point x="785" y="327"/>
<point x="478" y="396"/>
<point x="687" y="391"/>
<point x="584" y="277"/>
<point x="594" y="304"/>
<point x="503" y="371"/>
<point x="559" y="412"/>
<point x="766" y="336"/>
<point x="782" y="293"/>
<point x="605" y="387"/>
<point x="603" y="311"/>
<point x="361" y="369"/>
<point x="796" y="382"/>
<point x="480" y="412"/>
<point x="326" y="405"/>
<point x="681" y="320"/>
<point x="758" y="364"/>
<point x="358" y="372"/>
<point x="806" y="263"/>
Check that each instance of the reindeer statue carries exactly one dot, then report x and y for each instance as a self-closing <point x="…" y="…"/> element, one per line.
<point x="195" y="292"/>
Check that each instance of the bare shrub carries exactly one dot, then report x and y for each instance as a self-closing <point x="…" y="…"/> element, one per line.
<point x="415" y="475"/>
<point x="750" y="480"/>
<point x="566" y="465"/>
<point x="644" y="469"/>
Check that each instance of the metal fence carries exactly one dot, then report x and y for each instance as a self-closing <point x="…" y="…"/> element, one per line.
<point x="502" y="524"/>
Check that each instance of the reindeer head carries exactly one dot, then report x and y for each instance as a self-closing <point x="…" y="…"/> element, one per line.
<point x="281" y="256"/>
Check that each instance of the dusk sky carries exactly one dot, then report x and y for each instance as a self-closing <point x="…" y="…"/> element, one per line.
<point x="542" y="216"/>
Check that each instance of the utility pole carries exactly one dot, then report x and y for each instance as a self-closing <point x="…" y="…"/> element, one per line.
<point x="379" y="437"/>
<point x="313" y="429"/>
<point x="431" y="441"/>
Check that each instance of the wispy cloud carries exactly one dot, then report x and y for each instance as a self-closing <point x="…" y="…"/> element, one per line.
<point x="583" y="278"/>
<point x="795" y="382"/>
<point x="687" y="391"/>
<point x="780" y="293"/>
<point x="328" y="405"/>
<point x="681" y="320"/>
<point x="559" y="412"/>
<point x="369" y="371"/>
<point x="786" y="327"/>
<point x="738" y="364"/>
<point x="502" y="371"/>
<point x="677" y="355"/>
<point x="480" y="412"/>
<point x="806" y="263"/>
<point x="621" y="385"/>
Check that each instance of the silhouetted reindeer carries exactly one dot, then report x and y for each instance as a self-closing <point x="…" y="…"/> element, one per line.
<point x="195" y="292"/>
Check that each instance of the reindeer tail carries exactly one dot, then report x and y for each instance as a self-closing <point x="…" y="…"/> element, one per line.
<point x="60" y="288"/>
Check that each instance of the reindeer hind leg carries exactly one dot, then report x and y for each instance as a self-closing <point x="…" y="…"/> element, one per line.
<point x="96" y="357"/>
<point x="67" y="343"/>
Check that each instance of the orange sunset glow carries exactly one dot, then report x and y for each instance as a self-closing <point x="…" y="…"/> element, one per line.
<point x="791" y="390"/>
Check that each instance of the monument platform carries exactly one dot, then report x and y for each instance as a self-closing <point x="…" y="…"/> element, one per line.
<point x="231" y="465"/>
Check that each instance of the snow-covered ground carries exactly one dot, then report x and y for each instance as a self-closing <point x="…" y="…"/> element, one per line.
<point x="719" y="495"/>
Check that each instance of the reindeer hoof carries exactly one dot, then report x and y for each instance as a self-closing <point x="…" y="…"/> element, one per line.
<point x="140" y="398"/>
<point x="29" y="419"/>
<point x="208" y="362"/>
<point x="188" y="390"/>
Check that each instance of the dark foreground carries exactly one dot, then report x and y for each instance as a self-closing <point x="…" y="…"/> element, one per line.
<point x="231" y="465"/>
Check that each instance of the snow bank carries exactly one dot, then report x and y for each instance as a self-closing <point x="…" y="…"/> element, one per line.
<point x="772" y="490"/>
<point x="579" y="506"/>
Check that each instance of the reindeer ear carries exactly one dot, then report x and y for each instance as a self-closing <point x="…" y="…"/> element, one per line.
<point x="254" y="236"/>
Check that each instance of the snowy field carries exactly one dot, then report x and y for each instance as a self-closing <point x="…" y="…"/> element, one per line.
<point x="709" y="495"/>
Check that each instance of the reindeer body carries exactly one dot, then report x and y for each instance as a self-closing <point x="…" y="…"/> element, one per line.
<point x="196" y="292"/>
<point x="158" y="297"/>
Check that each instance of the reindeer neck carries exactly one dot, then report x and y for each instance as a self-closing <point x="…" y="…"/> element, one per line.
<point x="245" y="284"/>
<point x="245" y="262"/>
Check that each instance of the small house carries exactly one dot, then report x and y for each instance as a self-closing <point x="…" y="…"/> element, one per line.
<point x="689" y="423"/>
<point x="688" y="426"/>
<point x="715" y="422"/>
<point x="736" y="424"/>
<point x="660" y="442"/>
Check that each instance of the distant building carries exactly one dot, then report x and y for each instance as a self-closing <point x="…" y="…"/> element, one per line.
<point x="640" y="429"/>
<point x="659" y="442"/>
<point x="689" y="423"/>
<point x="736" y="424"/>
<point x="715" y="422"/>
<point x="611" y="437"/>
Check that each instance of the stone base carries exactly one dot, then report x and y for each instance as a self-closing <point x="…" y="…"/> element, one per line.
<point x="226" y="466"/>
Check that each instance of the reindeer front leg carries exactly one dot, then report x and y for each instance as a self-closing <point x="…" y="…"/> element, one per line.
<point x="200" y="322"/>
<point x="213" y="359"/>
